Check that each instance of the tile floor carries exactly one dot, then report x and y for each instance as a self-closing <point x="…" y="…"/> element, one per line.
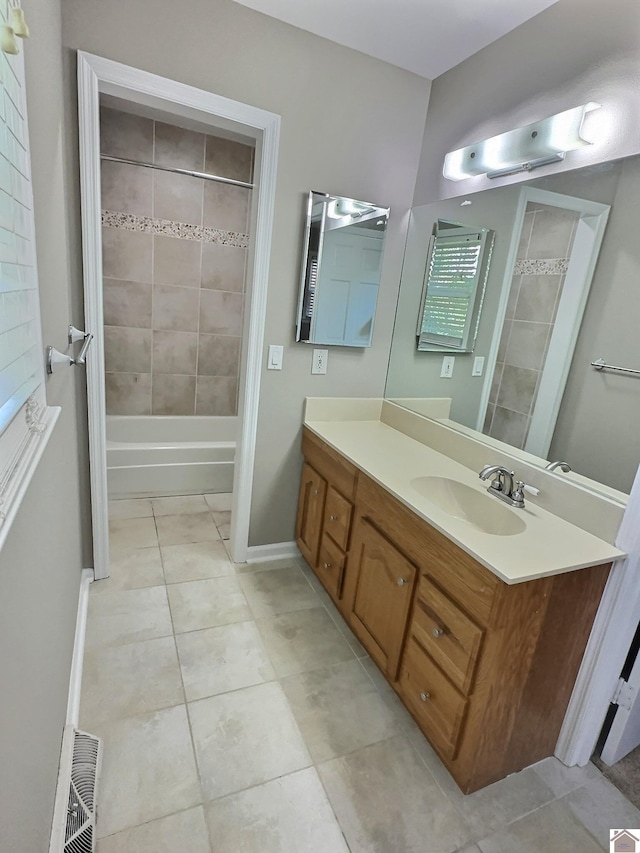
<point x="240" y="715"/>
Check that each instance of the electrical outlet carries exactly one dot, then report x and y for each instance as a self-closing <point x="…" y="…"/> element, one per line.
<point x="478" y="365"/>
<point x="319" y="361"/>
<point x="447" y="366"/>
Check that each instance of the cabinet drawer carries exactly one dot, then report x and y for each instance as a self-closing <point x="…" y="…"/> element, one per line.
<point x="437" y="705"/>
<point x="452" y="639"/>
<point x="330" y="567"/>
<point x="337" y="517"/>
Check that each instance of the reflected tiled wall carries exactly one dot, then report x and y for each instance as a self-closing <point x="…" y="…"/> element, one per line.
<point x="174" y="254"/>
<point x="536" y="286"/>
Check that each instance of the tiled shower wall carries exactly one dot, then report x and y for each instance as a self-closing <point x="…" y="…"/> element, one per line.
<point x="174" y="255"/>
<point x="539" y="274"/>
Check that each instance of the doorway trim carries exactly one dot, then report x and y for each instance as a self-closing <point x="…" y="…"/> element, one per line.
<point x="97" y="76"/>
<point x="582" y="263"/>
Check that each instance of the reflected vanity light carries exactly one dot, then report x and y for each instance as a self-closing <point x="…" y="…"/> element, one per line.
<point x="523" y="149"/>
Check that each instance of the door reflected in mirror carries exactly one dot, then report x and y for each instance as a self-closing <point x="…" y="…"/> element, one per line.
<point x="453" y="290"/>
<point x="342" y="260"/>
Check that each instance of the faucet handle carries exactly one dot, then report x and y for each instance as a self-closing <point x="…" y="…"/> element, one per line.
<point x="518" y="493"/>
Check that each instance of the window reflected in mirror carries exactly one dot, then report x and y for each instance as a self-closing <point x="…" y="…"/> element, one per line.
<point x="342" y="260"/>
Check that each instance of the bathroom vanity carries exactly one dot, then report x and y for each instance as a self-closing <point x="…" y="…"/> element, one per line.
<point x="477" y="617"/>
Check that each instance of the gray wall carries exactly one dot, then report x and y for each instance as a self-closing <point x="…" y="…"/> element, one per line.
<point x="41" y="561"/>
<point x="572" y="53"/>
<point x="350" y="125"/>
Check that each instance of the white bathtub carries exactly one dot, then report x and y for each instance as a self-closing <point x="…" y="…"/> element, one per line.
<point x="156" y="456"/>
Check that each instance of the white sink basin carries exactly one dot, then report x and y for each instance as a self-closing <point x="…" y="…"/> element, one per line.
<point x="475" y="508"/>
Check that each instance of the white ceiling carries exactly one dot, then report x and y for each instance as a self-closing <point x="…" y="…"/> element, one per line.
<point x="427" y="37"/>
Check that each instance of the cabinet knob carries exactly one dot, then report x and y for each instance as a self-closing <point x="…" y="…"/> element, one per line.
<point x="327" y="565"/>
<point x="316" y="491"/>
<point x="333" y="518"/>
<point x="438" y="632"/>
<point x="425" y="696"/>
<point x="402" y="581"/>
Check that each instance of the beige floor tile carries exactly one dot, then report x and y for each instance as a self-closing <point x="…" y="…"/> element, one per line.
<point x="185" y="831"/>
<point x="552" y="828"/>
<point x="136" y="508"/>
<point x="469" y="848"/>
<point x="225" y="531"/>
<point x="287" y="815"/>
<point x="206" y="604"/>
<point x="120" y="681"/>
<point x="128" y="533"/>
<point x="355" y="644"/>
<point x="278" y="591"/>
<point x="148" y="771"/>
<point x="182" y="505"/>
<point x="128" y="616"/>
<point x="303" y="640"/>
<point x="562" y="780"/>
<point x="245" y="738"/>
<point x="338" y="710"/>
<point x="217" y="660"/>
<point x="222" y="518"/>
<point x="220" y="502"/>
<point x="386" y="801"/>
<point x="265" y="566"/>
<point x="600" y="807"/>
<point x="180" y="529"/>
<point x="195" y="561"/>
<point x="134" y="569"/>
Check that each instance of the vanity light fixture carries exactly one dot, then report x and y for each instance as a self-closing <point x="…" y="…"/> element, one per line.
<point x="521" y="150"/>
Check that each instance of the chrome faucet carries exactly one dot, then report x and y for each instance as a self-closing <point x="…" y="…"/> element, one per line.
<point x="563" y="466"/>
<point x="502" y="484"/>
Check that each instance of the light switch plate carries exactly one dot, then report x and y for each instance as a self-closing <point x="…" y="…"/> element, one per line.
<point x="276" y="355"/>
<point x="447" y="367"/>
<point x="319" y="361"/>
<point x="478" y="365"/>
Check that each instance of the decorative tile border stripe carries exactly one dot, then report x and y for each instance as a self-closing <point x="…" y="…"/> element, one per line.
<point x="542" y="266"/>
<point x="149" y="225"/>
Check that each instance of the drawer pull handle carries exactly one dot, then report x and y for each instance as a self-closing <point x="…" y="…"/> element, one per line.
<point x="425" y="696"/>
<point x="327" y="565"/>
<point x="333" y="518"/>
<point x="402" y="581"/>
<point x="438" y="632"/>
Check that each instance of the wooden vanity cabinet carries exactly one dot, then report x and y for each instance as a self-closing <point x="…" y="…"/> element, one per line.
<point x="485" y="668"/>
<point x="325" y="510"/>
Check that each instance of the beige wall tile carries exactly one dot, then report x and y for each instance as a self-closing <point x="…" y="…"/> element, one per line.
<point x="126" y="189"/>
<point x="178" y="148"/>
<point x="127" y="350"/>
<point x="175" y="308"/>
<point x="176" y="261"/>
<point x="537" y="298"/>
<point x="177" y="197"/>
<point x="127" y="303"/>
<point x="217" y="395"/>
<point x="229" y="159"/>
<point x="218" y="355"/>
<point x="514" y="292"/>
<point x="173" y="395"/>
<point x="527" y="344"/>
<point x="226" y="207"/>
<point x="127" y="254"/>
<point x="221" y="312"/>
<point x="510" y="427"/>
<point x="552" y="233"/>
<point x="128" y="393"/>
<point x="223" y="267"/>
<point x="175" y="352"/>
<point x="518" y="388"/>
<point x="124" y="135"/>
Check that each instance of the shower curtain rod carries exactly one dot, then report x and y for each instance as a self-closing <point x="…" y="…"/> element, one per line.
<point x="188" y="172"/>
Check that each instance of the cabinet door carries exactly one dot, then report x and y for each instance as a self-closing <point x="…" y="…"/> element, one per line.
<point x="313" y="490"/>
<point x="383" y="596"/>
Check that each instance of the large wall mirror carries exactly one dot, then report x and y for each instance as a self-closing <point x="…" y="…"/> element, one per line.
<point x="541" y="325"/>
<point x="342" y="260"/>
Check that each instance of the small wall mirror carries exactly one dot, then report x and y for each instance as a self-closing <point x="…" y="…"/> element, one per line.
<point x="342" y="259"/>
<point x="454" y="283"/>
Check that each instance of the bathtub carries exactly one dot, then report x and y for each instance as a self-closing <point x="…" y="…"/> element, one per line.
<point x="155" y="456"/>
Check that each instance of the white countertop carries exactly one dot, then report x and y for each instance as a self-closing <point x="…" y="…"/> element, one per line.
<point x="548" y="546"/>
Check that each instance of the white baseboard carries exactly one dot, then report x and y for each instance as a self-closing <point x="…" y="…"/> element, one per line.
<point x="75" y="678"/>
<point x="275" y="551"/>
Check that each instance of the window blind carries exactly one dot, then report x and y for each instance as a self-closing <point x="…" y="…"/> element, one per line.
<point x="451" y="274"/>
